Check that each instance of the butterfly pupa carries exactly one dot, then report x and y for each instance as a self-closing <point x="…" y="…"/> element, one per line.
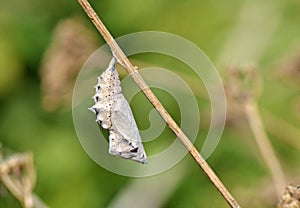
<point x="113" y="113"/>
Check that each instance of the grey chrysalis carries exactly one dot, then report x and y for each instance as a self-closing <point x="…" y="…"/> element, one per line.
<point x="113" y="113"/>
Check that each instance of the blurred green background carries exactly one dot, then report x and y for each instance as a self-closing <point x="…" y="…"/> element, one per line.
<point x="266" y="33"/>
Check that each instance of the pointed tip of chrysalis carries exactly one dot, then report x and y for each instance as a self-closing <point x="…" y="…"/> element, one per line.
<point x="144" y="162"/>
<point x="144" y="159"/>
<point x="140" y="157"/>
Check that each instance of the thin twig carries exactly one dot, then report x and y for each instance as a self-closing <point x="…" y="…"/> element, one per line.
<point x="123" y="60"/>
<point x="265" y="146"/>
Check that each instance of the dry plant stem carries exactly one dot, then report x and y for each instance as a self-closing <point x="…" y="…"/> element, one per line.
<point x="21" y="188"/>
<point x="13" y="184"/>
<point x="123" y="60"/>
<point x="265" y="146"/>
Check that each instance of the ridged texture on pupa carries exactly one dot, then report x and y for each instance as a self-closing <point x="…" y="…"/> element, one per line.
<point x="113" y="113"/>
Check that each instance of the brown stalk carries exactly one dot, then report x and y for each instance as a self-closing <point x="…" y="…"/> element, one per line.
<point x="123" y="60"/>
<point x="264" y="145"/>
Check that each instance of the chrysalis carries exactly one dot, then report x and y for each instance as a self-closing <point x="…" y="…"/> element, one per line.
<point x="113" y="113"/>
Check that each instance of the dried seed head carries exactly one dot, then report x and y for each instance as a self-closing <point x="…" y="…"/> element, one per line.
<point x="290" y="197"/>
<point x="242" y="83"/>
<point x="69" y="48"/>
